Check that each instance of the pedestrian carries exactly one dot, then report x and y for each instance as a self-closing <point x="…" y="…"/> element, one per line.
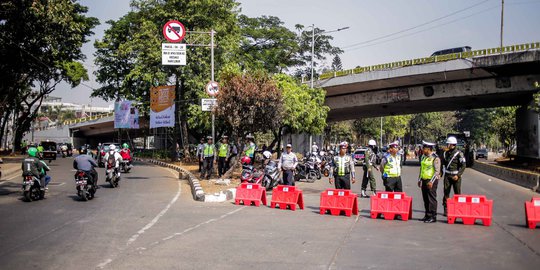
<point x="233" y="153"/>
<point x="208" y="153"/>
<point x="315" y="148"/>
<point x="369" y="166"/>
<point x="391" y="169"/>
<point x="249" y="149"/>
<point x="200" y="148"/>
<point x="223" y="155"/>
<point x="342" y="169"/>
<point x="454" y="164"/>
<point x="428" y="180"/>
<point x="287" y="164"/>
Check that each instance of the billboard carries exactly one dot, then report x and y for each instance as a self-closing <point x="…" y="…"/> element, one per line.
<point x="162" y="106"/>
<point x="125" y="115"/>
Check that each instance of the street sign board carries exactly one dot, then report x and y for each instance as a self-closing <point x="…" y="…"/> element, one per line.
<point x="173" y="54"/>
<point x="212" y="88"/>
<point x="208" y="104"/>
<point x="174" y="31"/>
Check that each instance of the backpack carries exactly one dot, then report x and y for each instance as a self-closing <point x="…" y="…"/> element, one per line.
<point x="30" y="167"/>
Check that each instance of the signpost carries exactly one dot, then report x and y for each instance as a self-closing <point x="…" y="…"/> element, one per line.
<point x="173" y="54"/>
<point x="208" y="104"/>
<point x="212" y="88"/>
<point x="174" y="31"/>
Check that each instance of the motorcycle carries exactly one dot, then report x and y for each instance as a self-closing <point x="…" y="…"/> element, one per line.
<point x="306" y="170"/>
<point x="126" y="166"/>
<point x="271" y="175"/>
<point x="85" y="188"/>
<point x="112" y="175"/>
<point x="316" y="161"/>
<point x="32" y="188"/>
<point x="251" y="175"/>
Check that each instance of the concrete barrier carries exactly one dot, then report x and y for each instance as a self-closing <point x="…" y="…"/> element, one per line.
<point x="518" y="177"/>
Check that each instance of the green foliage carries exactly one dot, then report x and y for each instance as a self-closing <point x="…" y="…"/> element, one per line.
<point x="504" y="124"/>
<point x="395" y="127"/>
<point x="304" y="109"/>
<point x="367" y="128"/>
<point x="336" y="63"/>
<point x="431" y="126"/>
<point x="340" y="131"/>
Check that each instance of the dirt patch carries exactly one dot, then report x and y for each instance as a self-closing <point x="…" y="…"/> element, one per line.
<point x="210" y="186"/>
<point x="532" y="165"/>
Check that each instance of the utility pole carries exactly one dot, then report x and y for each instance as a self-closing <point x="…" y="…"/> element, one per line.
<point x="212" y="72"/>
<point x="502" y="23"/>
<point x="381" y="133"/>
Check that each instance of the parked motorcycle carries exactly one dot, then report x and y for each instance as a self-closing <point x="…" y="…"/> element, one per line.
<point x="251" y="175"/>
<point x="126" y="166"/>
<point x="85" y="187"/>
<point x="271" y="175"/>
<point x="32" y="188"/>
<point x="305" y="170"/>
<point x="112" y="174"/>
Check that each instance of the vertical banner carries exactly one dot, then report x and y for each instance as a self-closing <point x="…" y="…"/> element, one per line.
<point x="122" y="112"/>
<point x="162" y="106"/>
<point x="134" y="118"/>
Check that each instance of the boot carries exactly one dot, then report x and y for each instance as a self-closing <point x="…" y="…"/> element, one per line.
<point x="364" y="195"/>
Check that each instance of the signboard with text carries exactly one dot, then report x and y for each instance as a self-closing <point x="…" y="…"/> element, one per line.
<point x="208" y="104"/>
<point x="162" y="106"/>
<point x="173" y="54"/>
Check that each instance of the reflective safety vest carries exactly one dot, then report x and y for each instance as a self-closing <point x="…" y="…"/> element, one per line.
<point x="251" y="150"/>
<point x="223" y="150"/>
<point x="392" y="167"/>
<point x="208" y="150"/>
<point x="427" y="170"/>
<point x="342" y="165"/>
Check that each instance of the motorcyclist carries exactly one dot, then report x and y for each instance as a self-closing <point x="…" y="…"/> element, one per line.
<point x="125" y="152"/>
<point x="267" y="156"/>
<point x="33" y="166"/>
<point x="114" y="155"/>
<point x="87" y="164"/>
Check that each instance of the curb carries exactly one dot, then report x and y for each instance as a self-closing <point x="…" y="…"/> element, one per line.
<point x="196" y="189"/>
<point x="9" y="172"/>
<point x="518" y="177"/>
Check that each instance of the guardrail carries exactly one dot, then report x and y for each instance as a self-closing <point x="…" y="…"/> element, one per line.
<point x="90" y="118"/>
<point x="432" y="59"/>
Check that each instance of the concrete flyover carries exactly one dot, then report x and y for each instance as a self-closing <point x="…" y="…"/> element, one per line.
<point x="467" y="81"/>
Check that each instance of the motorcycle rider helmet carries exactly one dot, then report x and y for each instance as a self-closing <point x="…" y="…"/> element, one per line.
<point x="372" y="143"/>
<point x="267" y="154"/>
<point x="112" y="147"/>
<point x="125" y="145"/>
<point x="32" y="151"/>
<point x="245" y="160"/>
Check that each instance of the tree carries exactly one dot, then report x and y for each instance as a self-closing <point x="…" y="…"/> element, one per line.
<point x="336" y="63"/>
<point x="250" y="103"/>
<point x="39" y="53"/>
<point x="303" y="108"/>
<point x="433" y="125"/>
<point x="478" y="122"/>
<point x="366" y="128"/>
<point x="504" y="125"/>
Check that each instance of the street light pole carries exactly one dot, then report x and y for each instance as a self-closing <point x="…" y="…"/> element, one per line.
<point x="502" y="23"/>
<point x="312" y="52"/>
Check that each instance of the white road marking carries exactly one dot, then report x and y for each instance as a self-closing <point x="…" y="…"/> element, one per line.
<point x="134" y="237"/>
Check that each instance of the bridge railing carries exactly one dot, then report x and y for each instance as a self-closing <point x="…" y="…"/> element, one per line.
<point x="432" y="59"/>
<point x="90" y="118"/>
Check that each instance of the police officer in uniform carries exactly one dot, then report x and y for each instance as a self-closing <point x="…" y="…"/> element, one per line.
<point x="342" y="169"/>
<point x="369" y="166"/>
<point x="200" y="147"/>
<point x="454" y="164"/>
<point x="208" y="153"/>
<point x="223" y="155"/>
<point x="391" y="169"/>
<point x="430" y="171"/>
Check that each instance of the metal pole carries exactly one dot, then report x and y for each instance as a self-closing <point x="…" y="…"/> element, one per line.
<point x="502" y="23"/>
<point x="312" y="51"/>
<point x="381" y="132"/>
<point x="212" y="72"/>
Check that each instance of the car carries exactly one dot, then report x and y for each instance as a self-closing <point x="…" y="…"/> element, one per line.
<point x="482" y="153"/>
<point x="452" y="50"/>
<point x="358" y="156"/>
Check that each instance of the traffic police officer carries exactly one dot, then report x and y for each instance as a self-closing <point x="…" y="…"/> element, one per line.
<point x="430" y="171"/>
<point x="208" y="158"/>
<point x="454" y="164"/>
<point x="250" y="148"/>
<point x="391" y="169"/>
<point x="223" y="155"/>
<point x="342" y="169"/>
<point x="369" y="166"/>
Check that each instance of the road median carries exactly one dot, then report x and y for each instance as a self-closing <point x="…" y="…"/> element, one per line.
<point x="519" y="177"/>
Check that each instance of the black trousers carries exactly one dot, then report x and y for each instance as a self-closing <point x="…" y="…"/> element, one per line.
<point x="200" y="163"/>
<point x="393" y="184"/>
<point x="208" y="166"/>
<point x="222" y="166"/>
<point x="288" y="177"/>
<point x="430" y="198"/>
<point x="449" y="183"/>
<point x="343" y="182"/>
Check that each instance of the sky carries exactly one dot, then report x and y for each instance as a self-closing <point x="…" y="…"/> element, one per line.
<point x="379" y="31"/>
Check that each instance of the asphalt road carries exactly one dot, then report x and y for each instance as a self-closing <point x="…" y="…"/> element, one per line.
<point x="152" y="222"/>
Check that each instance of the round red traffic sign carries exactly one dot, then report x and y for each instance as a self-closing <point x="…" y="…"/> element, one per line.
<point x="212" y="88"/>
<point x="174" y="31"/>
